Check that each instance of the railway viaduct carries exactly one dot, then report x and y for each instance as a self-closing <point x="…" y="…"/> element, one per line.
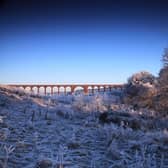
<point x="67" y="88"/>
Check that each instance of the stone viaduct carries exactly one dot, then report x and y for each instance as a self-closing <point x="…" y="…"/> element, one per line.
<point x="67" y="88"/>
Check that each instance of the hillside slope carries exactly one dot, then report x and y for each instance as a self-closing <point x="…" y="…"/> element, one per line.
<point x="78" y="132"/>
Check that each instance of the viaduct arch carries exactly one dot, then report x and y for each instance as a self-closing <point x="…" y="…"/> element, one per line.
<point x="68" y="88"/>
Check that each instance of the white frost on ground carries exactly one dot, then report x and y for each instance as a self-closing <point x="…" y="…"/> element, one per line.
<point x="68" y="132"/>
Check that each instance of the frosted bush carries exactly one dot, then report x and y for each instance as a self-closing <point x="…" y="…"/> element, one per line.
<point x="90" y="103"/>
<point x="142" y="77"/>
<point x="140" y="90"/>
<point x="7" y="150"/>
<point x="65" y="99"/>
<point x="64" y="111"/>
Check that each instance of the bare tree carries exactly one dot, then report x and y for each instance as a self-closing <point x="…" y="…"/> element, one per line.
<point x="161" y="102"/>
<point x="165" y="57"/>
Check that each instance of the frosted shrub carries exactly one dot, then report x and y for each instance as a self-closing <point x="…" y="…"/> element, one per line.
<point x="100" y="103"/>
<point x="64" y="111"/>
<point x="140" y="90"/>
<point x="60" y="160"/>
<point x="113" y="151"/>
<point x="141" y="78"/>
<point x="65" y="99"/>
<point x="82" y="103"/>
<point x="90" y="104"/>
<point x="7" y="149"/>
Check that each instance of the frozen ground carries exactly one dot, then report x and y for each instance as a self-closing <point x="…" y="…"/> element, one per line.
<point x="79" y="132"/>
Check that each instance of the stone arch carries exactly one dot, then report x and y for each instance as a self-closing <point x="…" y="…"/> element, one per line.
<point x="35" y="89"/>
<point x="108" y="88"/>
<point x="78" y="89"/>
<point x="68" y="89"/>
<point x="41" y="90"/>
<point x="48" y="90"/>
<point x="55" y="90"/>
<point x="115" y="87"/>
<point x="27" y="89"/>
<point x="105" y="88"/>
<point x="90" y="89"/>
<point x="95" y="89"/>
<point x="102" y="88"/>
<point x="62" y="89"/>
<point x="21" y="88"/>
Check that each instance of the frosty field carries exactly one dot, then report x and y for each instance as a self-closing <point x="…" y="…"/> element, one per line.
<point x="79" y="131"/>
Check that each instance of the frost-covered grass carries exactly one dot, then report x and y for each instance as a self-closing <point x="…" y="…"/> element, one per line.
<point x="67" y="131"/>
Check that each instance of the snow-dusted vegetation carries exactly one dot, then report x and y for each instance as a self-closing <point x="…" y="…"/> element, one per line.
<point x="79" y="131"/>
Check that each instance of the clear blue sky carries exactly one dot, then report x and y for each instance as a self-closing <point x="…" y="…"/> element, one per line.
<point x="75" y="50"/>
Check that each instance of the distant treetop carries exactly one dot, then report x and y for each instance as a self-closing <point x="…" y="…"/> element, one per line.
<point x="165" y="57"/>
